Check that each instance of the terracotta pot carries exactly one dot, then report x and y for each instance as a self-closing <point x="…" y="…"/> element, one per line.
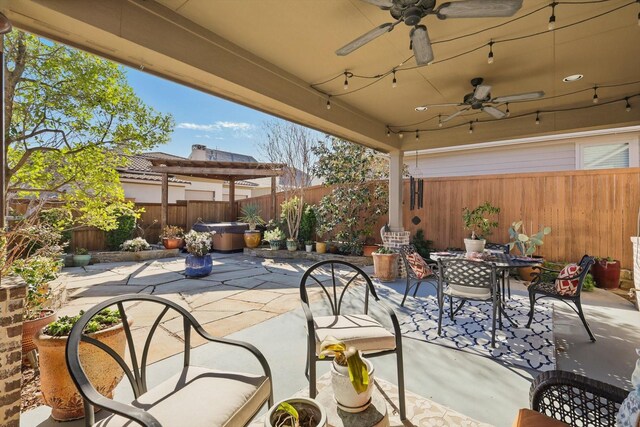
<point x="252" y="238"/>
<point x="321" y="247"/>
<point x="171" y="243"/>
<point x="527" y="273"/>
<point x="31" y="327"/>
<point x="367" y="250"/>
<point x="346" y="396"/>
<point x="606" y="274"/>
<point x="305" y="407"/>
<point x="385" y="266"/>
<point x="58" y="390"/>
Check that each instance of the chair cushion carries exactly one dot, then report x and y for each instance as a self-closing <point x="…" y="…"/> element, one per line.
<point x="468" y="292"/>
<point x="199" y="397"/>
<point x="564" y="286"/>
<point x="358" y="330"/>
<point x="419" y="266"/>
<point x="529" y="418"/>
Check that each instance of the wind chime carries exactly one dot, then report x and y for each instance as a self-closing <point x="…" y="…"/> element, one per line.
<point x="416" y="193"/>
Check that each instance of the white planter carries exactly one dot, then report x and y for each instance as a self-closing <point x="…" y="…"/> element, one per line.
<point x="346" y="397"/>
<point x="299" y="403"/>
<point x="308" y="248"/>
<point x="474" y="245"/>
<point x="636" y="268"/>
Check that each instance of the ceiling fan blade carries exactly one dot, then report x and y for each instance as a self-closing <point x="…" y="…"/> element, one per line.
<point x="479" y="9"/>
<point x="366" y="38"/>
<point x="421" y="45"/>
<point x="519" y="97"/>
<point x="454" y="115"/>
<point x="386" y="4"/>
<point x="481" y="92"/>
<point x="493" y="111"/>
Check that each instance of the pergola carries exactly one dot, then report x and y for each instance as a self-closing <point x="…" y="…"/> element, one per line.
<point x="227" y="171"/>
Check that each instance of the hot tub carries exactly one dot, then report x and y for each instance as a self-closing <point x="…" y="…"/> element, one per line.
<point x="229" y="236"/>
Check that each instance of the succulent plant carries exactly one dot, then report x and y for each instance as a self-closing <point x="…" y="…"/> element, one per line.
<point x="527" y="245"/>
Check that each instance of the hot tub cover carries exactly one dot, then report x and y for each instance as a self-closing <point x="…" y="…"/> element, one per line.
<point x="221" y="227"/>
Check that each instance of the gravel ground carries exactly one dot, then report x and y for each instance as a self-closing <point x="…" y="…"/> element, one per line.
<point x="31" y="396"/>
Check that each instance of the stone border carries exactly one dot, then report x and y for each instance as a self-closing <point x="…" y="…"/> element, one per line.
<point x="122" y="256"/>
<point x="311" y="256"/>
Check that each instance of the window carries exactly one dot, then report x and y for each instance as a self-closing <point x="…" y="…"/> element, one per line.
<point x="606" y="156"/>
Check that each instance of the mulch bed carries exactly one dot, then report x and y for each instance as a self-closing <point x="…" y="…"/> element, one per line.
<point x="31" y="396"/>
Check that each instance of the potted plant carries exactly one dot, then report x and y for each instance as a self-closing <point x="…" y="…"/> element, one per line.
<point x="526" y="245"/>
<point x="198" y="262"/>
<point x="385" y="264"/>
<point x="296" y="412"/>
<point x="292" y="245"/>
<point x="81" y="257"/>
<point x="58" y="389"/>
<point x="274" y="237"/>
<point x="321" y="229"/>
<point x="351" y="375"/>
<point x="171" y="236"/>
<point x="135" y="245"/>
<point x="479" y="222"/>
<point x="308" y="245"/>
<point x="251" y="214"/>
<point x="606" y="272"/>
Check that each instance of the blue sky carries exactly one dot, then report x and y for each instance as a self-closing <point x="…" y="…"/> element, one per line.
<point x="200" y="118"/>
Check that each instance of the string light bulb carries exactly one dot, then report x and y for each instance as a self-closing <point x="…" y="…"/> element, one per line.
<point x="439" y="120"/>
<point x="328" y="103"/>
<point x="346" y="81"/>
<point x="400" y="135"/>
<point x="470" y="127"/>
<point x="417" y="135"/>
<point x="552" y="18"/>
<point x="595" y="95"/>
<point x="394" y="82"/>
<point x="628" y="106"/>
<point x="508" y="113"/>
<point x="537" y="117"/>
<point x="388" y="132"/>
<point x="490" y="57"/>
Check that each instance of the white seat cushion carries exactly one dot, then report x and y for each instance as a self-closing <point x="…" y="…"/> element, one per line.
<point x="200" y="397"/>
<point x="469" y="292"/>
<point x="358" y="330"/>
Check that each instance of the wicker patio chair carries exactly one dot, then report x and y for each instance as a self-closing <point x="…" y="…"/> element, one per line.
<point x="576" y="400"/>
<point x="347" y="319"/>
<point x="195" y="396"/>
<point x="548" y="290"/>
<point x="469" y="280"/>
<point x="412" y="278"/>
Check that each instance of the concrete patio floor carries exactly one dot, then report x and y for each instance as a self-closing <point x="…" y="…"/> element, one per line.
<point x="257" y="301"/>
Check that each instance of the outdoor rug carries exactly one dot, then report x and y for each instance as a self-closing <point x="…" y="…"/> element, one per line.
<point x="470" y="331"/>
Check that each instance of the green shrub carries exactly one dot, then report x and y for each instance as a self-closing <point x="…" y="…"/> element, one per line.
<point x="36" y="271"/>
<point x="103" y="320"/>
<point x="126" y="223"/>
<point x="423" y="246"/>
<point x="308" y="224"/>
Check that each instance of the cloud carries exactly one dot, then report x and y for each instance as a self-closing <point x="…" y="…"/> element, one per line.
<point x="203" y="136"/>
<point x="217" y="126"/>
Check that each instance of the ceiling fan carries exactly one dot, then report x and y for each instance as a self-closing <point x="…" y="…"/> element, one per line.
<point x="480" y="99"/>
<point x="412" y="11"/>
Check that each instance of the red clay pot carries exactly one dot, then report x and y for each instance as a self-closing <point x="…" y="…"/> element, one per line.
<point x="171" y="243"/>
<point x="368" y="250"/>
<point x="606" y="274"/>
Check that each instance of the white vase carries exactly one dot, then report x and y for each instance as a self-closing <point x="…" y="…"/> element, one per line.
<point x="346" y="397"/>
<point x="308" y="248"/>
<point x="301" y="404"/>
<point x="474" y="245"/>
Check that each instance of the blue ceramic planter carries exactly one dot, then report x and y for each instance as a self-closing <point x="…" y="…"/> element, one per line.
<point x="198" y="266"/>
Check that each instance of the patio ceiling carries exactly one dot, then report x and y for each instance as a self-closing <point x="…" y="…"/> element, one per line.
<point x="267" y="54"/>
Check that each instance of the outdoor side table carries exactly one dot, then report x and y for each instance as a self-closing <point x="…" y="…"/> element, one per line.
<point x="374" y="416"/>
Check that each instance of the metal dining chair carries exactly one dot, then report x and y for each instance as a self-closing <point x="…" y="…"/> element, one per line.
<point x="505" y="275"/>
<point x="406" y="251"/>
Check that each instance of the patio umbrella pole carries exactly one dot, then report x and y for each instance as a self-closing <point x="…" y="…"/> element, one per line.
<point x="5" y="27"/>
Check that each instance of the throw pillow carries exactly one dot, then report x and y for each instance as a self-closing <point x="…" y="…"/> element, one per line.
<point x="565" y="286"/>
<point x="419" y="265"/>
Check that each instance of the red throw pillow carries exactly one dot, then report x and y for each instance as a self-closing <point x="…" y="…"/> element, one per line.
<point x="419" y="266"/>
<point x="568" y="287"/>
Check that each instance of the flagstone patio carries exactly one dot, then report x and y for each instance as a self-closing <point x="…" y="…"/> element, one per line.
<point x="257" y="300"/>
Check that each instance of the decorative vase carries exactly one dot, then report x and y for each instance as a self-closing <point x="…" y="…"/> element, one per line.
<point x="527" y="274"/>
<point x="474" y="245"/>
<point x="368" y="250"/>
<point x="171" y="242"/>
<point x="346" y="396"/>
<point x="274" y="245"/>
<point x="31" y="327"/>
<point x="385" y="266"/>
<point x="308" y="248"/>
<point x="81" y="260"/>
<point x="198" y="266"/>
<point x="321" y="247"/>
<point x="252" y="238"/>
<point x="292" y="245"/>
<point x="58" y="389"/>
<point x="606" y="274"/>
<point x="307" y="408"/>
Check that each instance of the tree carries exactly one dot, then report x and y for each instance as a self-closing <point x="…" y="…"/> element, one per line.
<point x="71" y="121"/>
<point x="292" y="146"/>
<point x="360" y="191"/>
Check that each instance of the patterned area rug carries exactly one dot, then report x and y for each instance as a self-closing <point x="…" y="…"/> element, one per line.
<point x="470" y="330"/>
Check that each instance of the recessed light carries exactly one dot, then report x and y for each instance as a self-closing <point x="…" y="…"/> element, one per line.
<point x="421" y="108"/>
<point x="572" y="78"/>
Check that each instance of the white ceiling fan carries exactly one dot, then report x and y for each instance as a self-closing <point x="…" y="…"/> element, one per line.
<point x="480" y="99"/>
<point x="411" y="13"/>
